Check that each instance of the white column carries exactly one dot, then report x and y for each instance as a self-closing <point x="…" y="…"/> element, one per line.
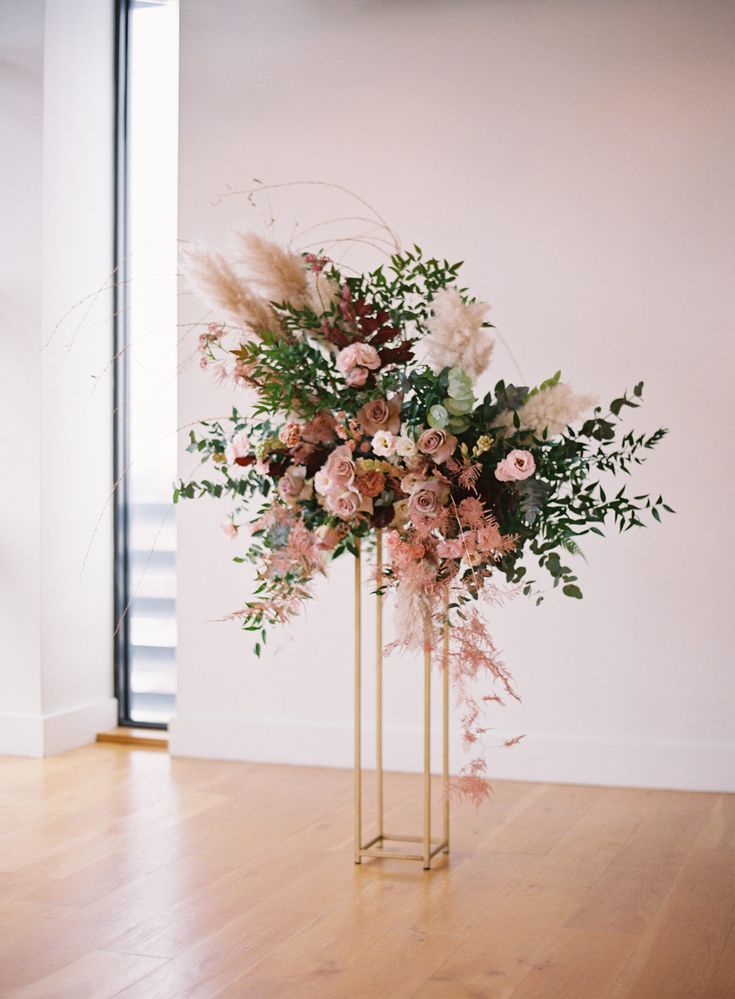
<point x="56" y="196"/>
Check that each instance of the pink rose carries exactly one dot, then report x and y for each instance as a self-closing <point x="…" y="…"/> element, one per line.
<point x="357" y="355"/>
<point x="381" y="414"/>
<point x="230" y="529"/>
<point x="239" y="447"/>
<point x="427" y="497"/>
<point x="357" y="377"/>
<point x="438" y="444"/>
<point x="515" y="467"/>
<point x="340" y="468"/>
<point x="292" y="485"/>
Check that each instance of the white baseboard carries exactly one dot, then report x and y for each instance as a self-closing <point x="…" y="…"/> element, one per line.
<point x="45" y="735"/>
<point x="678" y="766"/>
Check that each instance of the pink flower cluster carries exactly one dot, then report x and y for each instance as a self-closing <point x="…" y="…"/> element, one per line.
<point x="335" y="482"/>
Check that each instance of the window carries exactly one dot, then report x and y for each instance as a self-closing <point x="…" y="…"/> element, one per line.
<point x="146" y="349"/>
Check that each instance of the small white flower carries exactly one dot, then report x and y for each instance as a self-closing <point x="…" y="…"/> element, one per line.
<point x="322" y="482"/>
<point x="406" y="446"/>
<point x="384" y="443"/>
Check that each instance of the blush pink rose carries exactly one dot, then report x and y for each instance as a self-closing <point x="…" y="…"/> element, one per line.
<point x="340" y="468"/>
<point x="357" y="355"/>
<point x="515" y="467"/>
<point x="438" y="444"/>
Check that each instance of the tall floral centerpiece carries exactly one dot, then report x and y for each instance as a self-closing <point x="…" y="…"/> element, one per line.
<point x="364" y="414"/>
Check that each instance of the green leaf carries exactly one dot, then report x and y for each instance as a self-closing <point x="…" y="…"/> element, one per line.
<point x="570" y="590"/>
<point x="438" y="417"/>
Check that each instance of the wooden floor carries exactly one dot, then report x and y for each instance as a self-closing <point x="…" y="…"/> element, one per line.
<point x="124" y="873"/>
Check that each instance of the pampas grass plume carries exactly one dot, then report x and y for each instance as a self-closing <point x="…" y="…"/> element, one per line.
<point x="277" y="272"/>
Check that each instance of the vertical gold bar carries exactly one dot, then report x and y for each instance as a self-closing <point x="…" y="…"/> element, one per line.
<point x="379" y="684"/>
<point x="358" y="703"/>
<point x="445" y="721"/>
<point x="427" y="747"/>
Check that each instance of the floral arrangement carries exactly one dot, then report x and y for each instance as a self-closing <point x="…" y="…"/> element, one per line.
<point x="364" y="415"/>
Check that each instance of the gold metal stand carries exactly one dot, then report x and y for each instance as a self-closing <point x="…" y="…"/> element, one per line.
<point x="430" y="845"/>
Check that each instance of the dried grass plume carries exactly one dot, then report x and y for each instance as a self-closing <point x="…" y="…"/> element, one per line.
<point x="552" y="409"/>
<point x="213" y="280"/>
<point x="456" y="336"/>
<point x="278" y="273"/>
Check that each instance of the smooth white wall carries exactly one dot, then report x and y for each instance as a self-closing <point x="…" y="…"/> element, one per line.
<point x="56" y="120"/>
<point x="579" y="157"/>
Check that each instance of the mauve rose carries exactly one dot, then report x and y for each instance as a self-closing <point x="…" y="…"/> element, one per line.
<point x="239" y="447"/>
<point x="515" y="467"/>
<point x="438" y="444"/>
<point x="346" y="504"/>
<point x="292" y="485"/>
<point x="381" y="414"/>
<point x="427" y="497"/>
<point x="340" y="468"/>
<point x="357" y="355"/>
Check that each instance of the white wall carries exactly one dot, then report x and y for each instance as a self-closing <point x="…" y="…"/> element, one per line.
<point x="579" y="157"/>
<point x="56" y="248"/>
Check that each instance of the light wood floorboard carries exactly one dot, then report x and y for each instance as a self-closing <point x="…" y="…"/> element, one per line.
<point x="124" y="873"/>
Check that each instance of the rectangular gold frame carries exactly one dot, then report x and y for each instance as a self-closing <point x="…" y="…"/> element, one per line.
<point x="431" y="845"/>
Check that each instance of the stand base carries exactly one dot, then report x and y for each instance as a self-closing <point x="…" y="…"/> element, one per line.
<point x="374" y="848"/>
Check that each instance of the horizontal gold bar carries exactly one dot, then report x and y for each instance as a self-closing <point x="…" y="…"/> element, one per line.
<point x="400" y="838"/>
<point x="391" y="855"/>
<point x="369" y="849"/>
